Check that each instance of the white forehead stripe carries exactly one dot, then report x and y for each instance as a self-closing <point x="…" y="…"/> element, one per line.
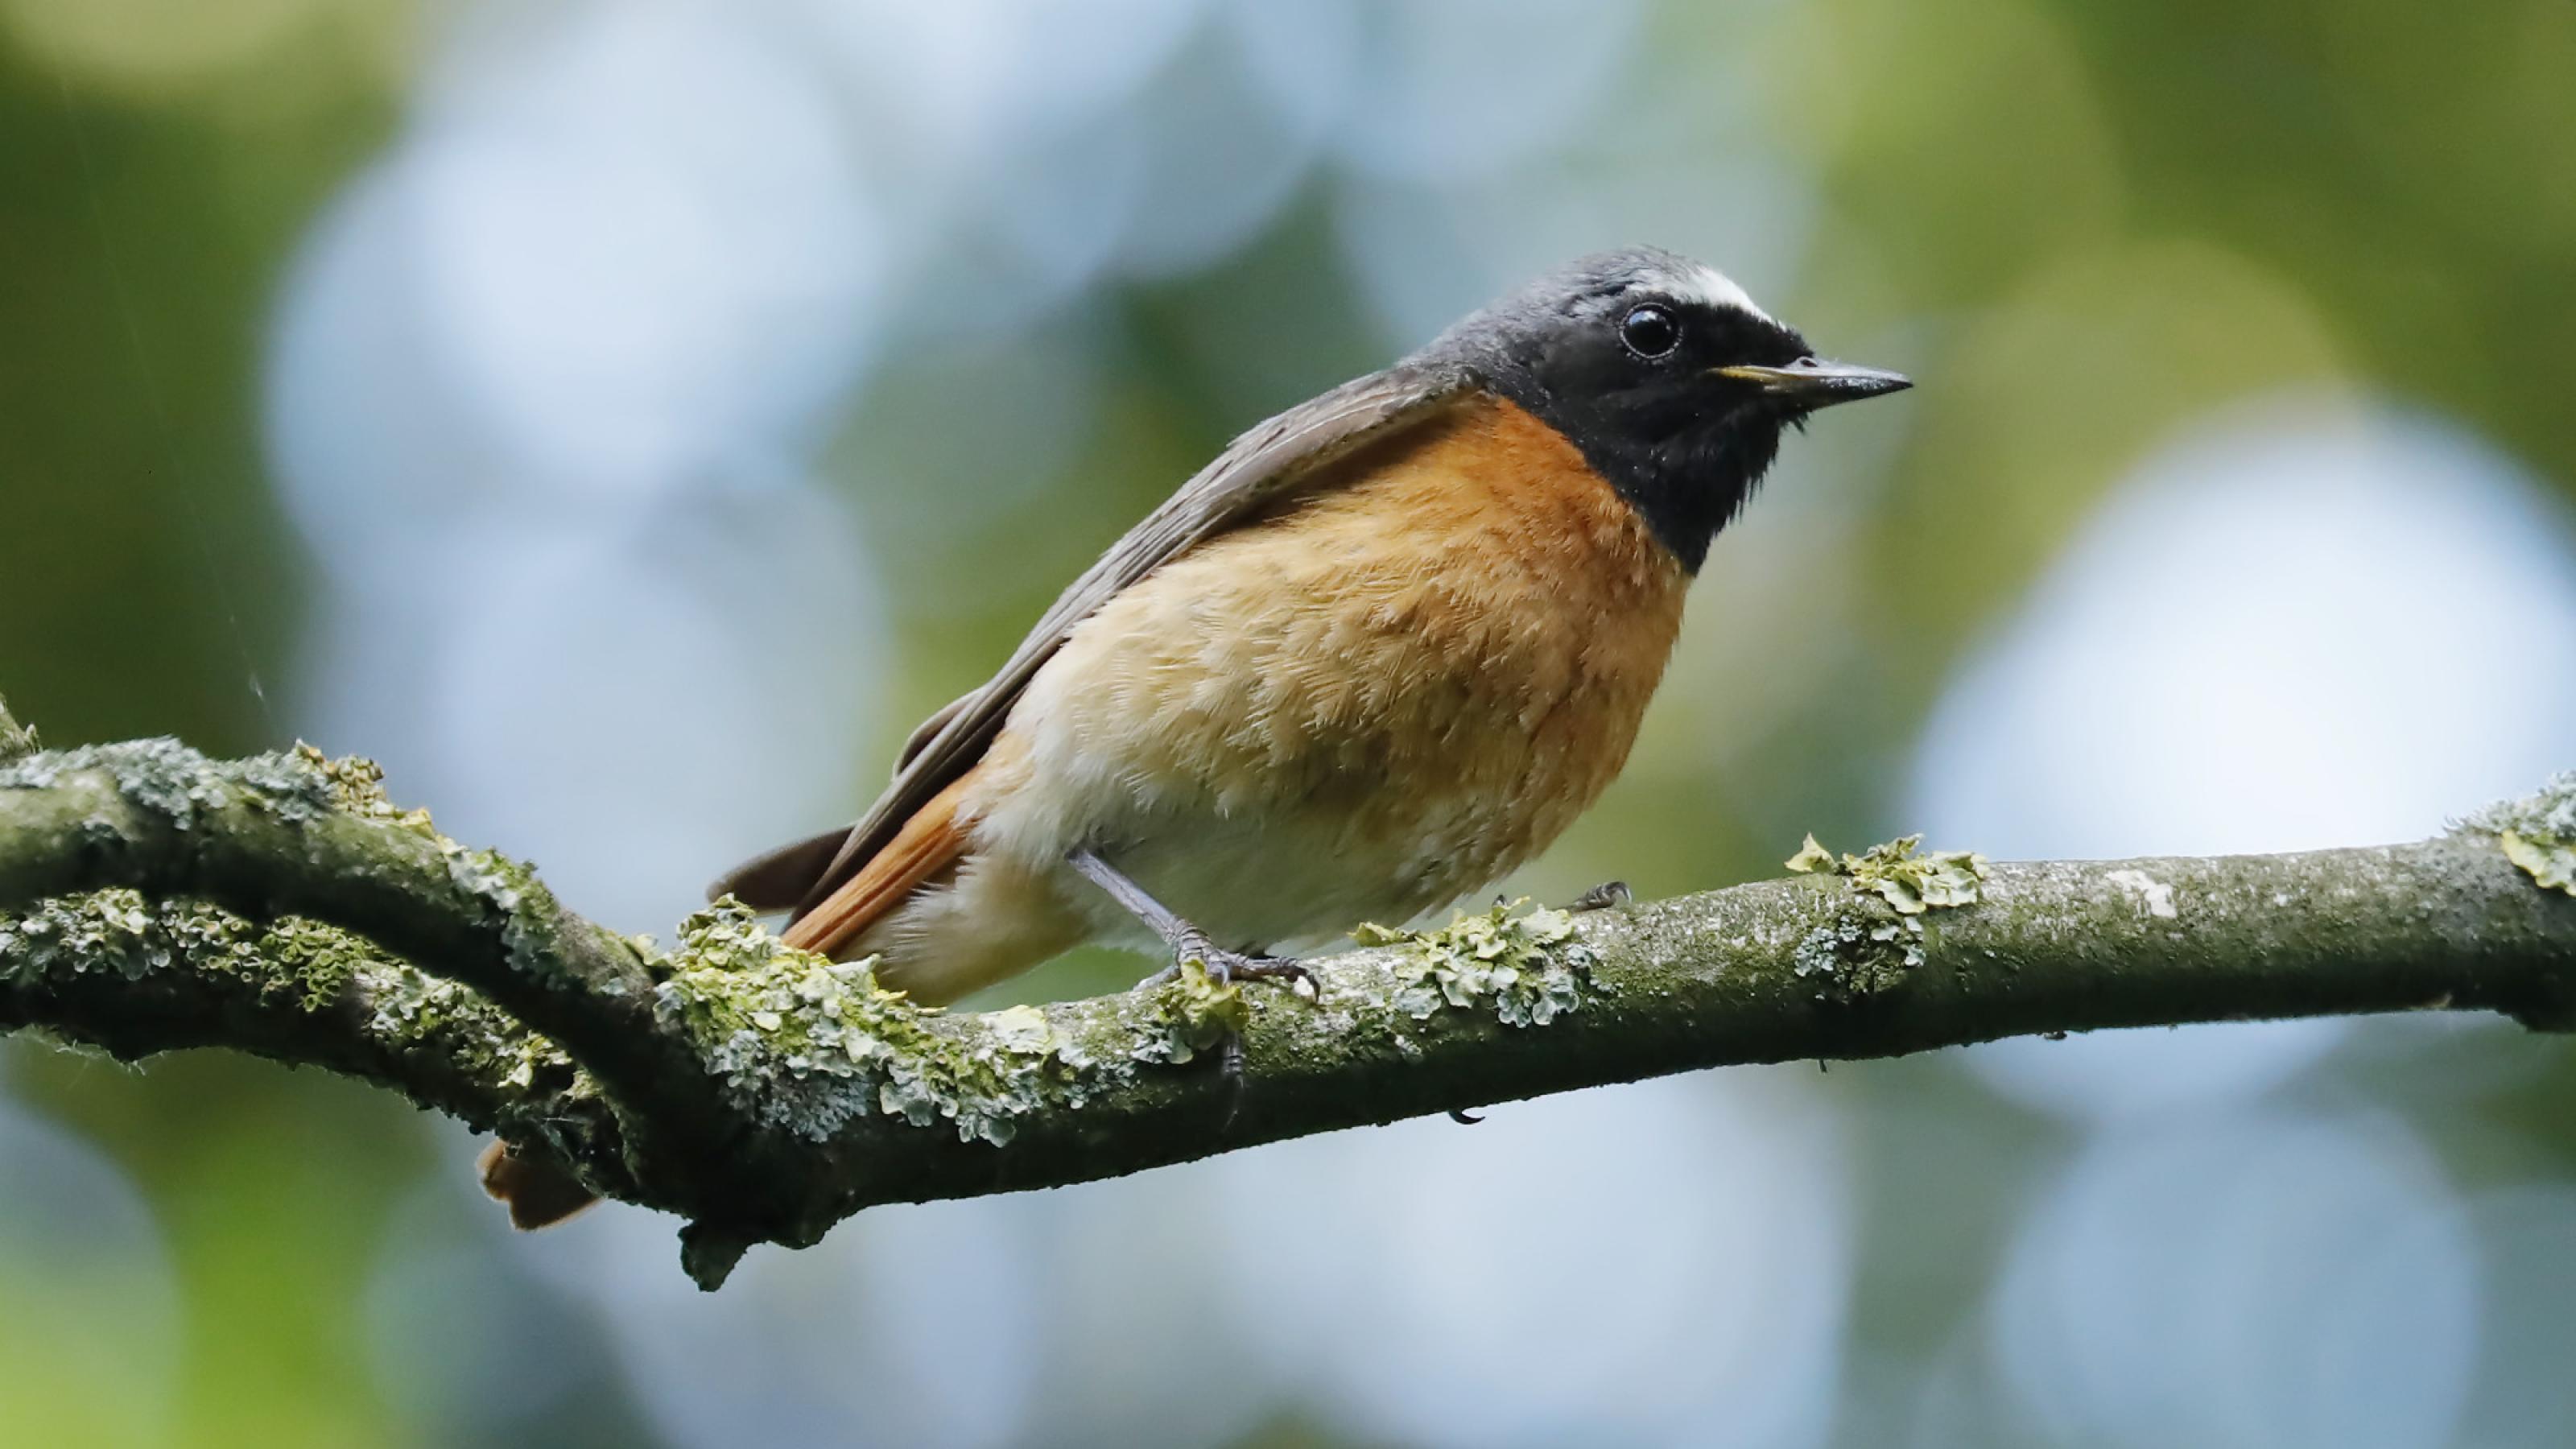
<point x="1716" y="289"/>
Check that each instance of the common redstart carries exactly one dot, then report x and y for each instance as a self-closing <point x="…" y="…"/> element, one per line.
<point x="1377" y="654"/>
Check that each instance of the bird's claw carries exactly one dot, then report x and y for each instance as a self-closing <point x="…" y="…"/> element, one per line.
<point x="1267" y="968"/>
<point x="1225" y="967"/>
<point x="1602" y="897"/>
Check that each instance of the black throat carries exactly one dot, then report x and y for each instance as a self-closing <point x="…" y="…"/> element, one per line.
<point x="1686" y="484"/>
<point x="1633" y="357"/>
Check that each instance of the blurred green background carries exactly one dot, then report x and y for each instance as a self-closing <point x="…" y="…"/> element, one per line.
<point x="627" y="420"/>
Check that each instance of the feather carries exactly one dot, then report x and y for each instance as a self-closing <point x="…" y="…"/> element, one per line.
<point x="929" y="842"/>
<point x="778" y="879"/>
<point x="1267" y="463"/>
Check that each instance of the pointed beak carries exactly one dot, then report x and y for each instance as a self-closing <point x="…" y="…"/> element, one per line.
<point x="1811" y="382"/>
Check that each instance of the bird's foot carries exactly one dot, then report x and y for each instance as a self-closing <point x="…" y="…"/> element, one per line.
<point x="1601" y="897"/>
<point x="1225" y="967"/>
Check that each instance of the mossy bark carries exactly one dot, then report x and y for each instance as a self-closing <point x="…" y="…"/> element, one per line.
<point x="16" y="740"/>
<point x="151" y="899"/>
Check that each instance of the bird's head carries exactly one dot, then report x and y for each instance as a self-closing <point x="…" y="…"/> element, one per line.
<point x="1670" y="380"/>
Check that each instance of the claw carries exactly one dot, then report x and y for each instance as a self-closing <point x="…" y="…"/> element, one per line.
<point x="1230" y="1066"/>
<point x="1273" y="968"/>
<point x="1229" y="966"/>
<point x="1602" y="897"/>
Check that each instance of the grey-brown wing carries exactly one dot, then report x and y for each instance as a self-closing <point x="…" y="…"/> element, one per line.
<point x="928" y="730"/>
<point x="1266" y="463"/>
<point x="777" y="879"/>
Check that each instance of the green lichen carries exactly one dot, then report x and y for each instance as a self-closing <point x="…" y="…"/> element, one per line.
<point x="1812" y="858"/>
<point x="357" y="787"/>
<point x="1827" y="949"/>
<point x="519" y="902"/>
<point x="1900" y="874"/>
<point x="97" y="931"/>
<point x="1192" y="1013"/>
<point x="2537" y="832"/>
<point x="1529" y="968"/>
<point x="1858" y="953"/>
<point x="1851" y="957"/>
<point x="405" y="1004"/>
<point x="806" y="1044"/>
<point x="1104" y="1053"/>
<point x="161" y="776"/>
<point x="2550" y="862"/>
<point x="289" y="963"/>
<point x="167" y="779"/>
<point x="15" y="739"/>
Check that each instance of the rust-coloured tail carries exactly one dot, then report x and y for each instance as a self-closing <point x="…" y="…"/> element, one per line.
<point x="928" y="843"/>
<point x="538" y="1194"/>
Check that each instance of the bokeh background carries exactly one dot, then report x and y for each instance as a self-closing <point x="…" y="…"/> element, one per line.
<point x="624" y="418"/>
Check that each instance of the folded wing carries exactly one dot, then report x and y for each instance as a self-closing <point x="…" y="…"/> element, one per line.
<point x="1266" y="464"/>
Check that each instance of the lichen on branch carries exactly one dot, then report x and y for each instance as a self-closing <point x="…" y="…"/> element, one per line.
<point x="1877" y="933"/>
<point x="804" y="1044"/>
<point x="1528" y="968"/>
<point x="1901" y="873"/>
<point x="115" y="970"/>
<point x="151" y="899"/>
<point x="2538" y="831"/>
<point x="15" y="739"/>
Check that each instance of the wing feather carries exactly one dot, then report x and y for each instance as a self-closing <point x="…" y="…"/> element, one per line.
<point x="1268" y="462"/>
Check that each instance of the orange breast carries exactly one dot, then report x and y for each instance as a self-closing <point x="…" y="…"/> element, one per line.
<point x="1430" y="664"/>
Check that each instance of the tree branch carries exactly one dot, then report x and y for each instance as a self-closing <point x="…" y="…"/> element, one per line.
<point x="151" y="899"/>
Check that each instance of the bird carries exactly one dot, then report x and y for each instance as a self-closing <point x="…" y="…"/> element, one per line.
<point x="1379" y="652"/>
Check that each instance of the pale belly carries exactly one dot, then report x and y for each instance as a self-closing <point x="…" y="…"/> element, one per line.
<point x="1292" y="872"/>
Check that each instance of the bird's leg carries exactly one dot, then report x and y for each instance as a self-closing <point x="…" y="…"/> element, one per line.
<point x="1187" y="942"/>
<point x="1601" y="897"/>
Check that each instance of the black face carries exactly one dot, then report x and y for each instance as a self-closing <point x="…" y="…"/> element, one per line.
<point x="1637" y="389"/>
<point x="1674" y="393"/>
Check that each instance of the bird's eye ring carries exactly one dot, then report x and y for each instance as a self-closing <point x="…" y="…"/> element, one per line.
<point x="1650" y="330"/>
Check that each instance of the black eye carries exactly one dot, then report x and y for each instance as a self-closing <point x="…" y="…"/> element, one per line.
<point x="1650" y="331"/>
